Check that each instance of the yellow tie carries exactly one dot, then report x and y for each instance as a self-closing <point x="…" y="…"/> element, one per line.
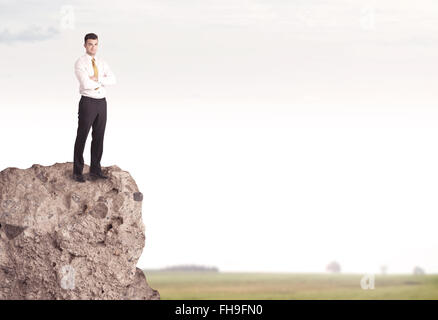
<point x="95" y="70"/>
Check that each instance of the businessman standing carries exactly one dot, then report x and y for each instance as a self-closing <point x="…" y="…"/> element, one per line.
<point x="94" y="75"/>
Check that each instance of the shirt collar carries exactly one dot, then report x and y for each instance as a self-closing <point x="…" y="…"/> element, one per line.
<point x="96" y="57"/>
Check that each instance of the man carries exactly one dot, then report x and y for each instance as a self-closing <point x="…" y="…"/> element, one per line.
<point x="94" y="75"/>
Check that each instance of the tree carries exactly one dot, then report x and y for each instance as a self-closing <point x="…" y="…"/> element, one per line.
<point x="418" y="271"/>
<point x="333" y="267"/>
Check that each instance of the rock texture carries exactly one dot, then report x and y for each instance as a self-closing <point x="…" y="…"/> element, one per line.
<point x="62" y="239"/>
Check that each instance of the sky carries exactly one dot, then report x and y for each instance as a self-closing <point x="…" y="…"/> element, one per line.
<point x="264" y="135"/>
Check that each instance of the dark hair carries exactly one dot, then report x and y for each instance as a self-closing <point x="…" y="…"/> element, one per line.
<point x="90" y="36"/>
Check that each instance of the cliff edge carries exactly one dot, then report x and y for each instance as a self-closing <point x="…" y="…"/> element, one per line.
<point x="60" y="239"/>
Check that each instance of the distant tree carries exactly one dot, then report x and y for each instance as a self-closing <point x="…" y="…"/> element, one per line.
<point x="191" y="267"/>
<point x="418" y="271"/>
<point x="333" y="267"/>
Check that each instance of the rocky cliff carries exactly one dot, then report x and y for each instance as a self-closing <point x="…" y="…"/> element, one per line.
<point x="61" y="239"/>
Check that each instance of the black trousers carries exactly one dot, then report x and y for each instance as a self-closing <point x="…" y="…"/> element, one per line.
<point x="91" y="113"/>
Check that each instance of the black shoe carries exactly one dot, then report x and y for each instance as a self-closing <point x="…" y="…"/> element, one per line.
<point x="78" y="177"/>
<point x="95" y="176"/>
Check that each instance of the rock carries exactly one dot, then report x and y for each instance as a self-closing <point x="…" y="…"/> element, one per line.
<point x="61" y="239"/>
<point x="138" y="196"/>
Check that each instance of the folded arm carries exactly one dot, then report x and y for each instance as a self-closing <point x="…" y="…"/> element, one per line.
<point x="108" y="77"/>
<point x="83" y="77"/>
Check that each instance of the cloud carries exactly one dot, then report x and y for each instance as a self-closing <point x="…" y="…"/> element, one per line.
<point x="389" y="22"/>
<point x="32" y="20"/>
<point x="30" y="34"/>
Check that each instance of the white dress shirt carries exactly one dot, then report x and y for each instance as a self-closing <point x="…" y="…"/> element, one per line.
<point x="84" y="70"/>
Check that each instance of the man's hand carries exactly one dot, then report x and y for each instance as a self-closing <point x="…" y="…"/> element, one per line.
<point x="93" y="78"/>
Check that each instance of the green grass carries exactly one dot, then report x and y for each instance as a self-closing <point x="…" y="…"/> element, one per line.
<point x="233" y="285"/>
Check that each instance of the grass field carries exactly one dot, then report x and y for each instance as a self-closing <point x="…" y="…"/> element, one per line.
<point x="224" y="285"/>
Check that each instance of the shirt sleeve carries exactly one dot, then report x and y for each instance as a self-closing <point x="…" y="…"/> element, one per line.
<point x="108" y="77"/>
<point x="82" y="75"/>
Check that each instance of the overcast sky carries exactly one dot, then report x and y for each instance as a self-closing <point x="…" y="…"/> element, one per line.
<point x="265" y="135"/>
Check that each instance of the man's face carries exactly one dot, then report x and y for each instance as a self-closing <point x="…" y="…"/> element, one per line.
<point x="91" y="46"/>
